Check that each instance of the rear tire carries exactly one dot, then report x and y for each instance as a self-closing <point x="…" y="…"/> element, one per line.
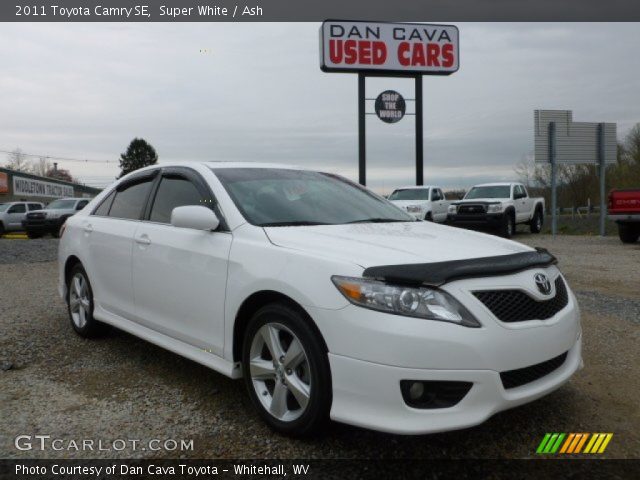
<point x="34" y="235"/>
<point x="535" y="226"/>
<point x="1" y="229"/>
<point x="628" y="232"/>
<point x="286" y="371"/>
<point x="508" y="227"/>
<point x="80" y="304"/>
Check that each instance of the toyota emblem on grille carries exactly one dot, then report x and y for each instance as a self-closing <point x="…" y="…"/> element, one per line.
<point x="543" y="283"/>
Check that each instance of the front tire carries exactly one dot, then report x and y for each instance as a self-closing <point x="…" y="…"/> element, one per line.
<point x="80" y="304"/>
<point x="535" y="226"/>
<point x="628" y="232"/>
<point x="34" y="235"/>
<point x="286" y="371"/>
<point x="508" y="227"/>
<point x="428" y="217"/>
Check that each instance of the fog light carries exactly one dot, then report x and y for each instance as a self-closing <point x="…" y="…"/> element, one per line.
<point x="433" y="394"/>
<point x="416" y="390"/>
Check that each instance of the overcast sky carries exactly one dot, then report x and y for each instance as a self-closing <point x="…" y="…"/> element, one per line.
<point x="255" y="92"/>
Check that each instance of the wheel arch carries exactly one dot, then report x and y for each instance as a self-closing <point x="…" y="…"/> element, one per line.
<point x="69" y="263"/>
<point x="258" y="300"/>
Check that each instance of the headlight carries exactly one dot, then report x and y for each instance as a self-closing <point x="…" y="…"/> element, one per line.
<point x="414" y="208"/>
<point x="452" y="208"/>
<point x="494" y="208"/>
<point x="422" y="302"/>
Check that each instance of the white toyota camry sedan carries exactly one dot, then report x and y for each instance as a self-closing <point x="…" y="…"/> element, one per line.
<point x="327" y="299"/>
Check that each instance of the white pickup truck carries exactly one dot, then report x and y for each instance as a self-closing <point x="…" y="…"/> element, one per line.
<point x="499" y="206"/>
<point x="425" y="202"/>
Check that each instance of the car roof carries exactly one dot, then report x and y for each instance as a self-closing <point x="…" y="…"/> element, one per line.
<point x="497" y="184"/>
<point x="415" y="187"/>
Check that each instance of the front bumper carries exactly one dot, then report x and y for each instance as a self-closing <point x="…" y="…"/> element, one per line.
<point x="371" y="352"/>
<point x="368" y="395"/>
<point x="491" y="220"/>
<point x="625" y="217"/>
<point x="41" y="225"/>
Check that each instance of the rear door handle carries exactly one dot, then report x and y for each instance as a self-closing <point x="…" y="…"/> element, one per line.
<point x="143" y="239"/>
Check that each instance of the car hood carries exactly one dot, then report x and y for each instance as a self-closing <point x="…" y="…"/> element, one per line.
<point x="481" y="200"/>
<point x="371" y="244"/>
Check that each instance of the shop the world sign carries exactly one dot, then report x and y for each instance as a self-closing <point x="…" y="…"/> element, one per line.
<point x="29" y="187"/>
<point x="399" y="48"/>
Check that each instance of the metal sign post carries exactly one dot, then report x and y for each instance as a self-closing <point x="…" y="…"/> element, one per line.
<point x="362" y="141"/>
<point x="603" y="169"/>
<point x="419" y="133"/>
<point x="554" y="174"/>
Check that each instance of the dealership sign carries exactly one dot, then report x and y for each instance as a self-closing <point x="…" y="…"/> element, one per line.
<point x="29" y="187"/>
<point x="389" y="48"/>
<point x="390" y="106"/>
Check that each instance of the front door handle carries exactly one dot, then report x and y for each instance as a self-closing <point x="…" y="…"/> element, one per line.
<point x="143" y="239"/>
<point x="88" y="228"/>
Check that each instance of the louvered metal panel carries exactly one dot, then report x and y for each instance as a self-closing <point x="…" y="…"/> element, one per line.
<point x="576" y="142"/>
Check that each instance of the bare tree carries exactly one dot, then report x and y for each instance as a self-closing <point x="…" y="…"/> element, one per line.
<point x="41" y="167"/>
<point x="17" y="160"/>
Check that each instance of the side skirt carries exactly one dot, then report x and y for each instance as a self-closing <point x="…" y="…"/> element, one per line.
<point x="214" y="362"/>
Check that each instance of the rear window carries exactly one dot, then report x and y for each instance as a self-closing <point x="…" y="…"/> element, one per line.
<point x="410" y="194"/>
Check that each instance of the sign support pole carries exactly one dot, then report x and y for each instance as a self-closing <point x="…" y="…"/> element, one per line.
<point x="603" y="169"/>
<point x="362" y="142"/>
<point x="419" y="133"/>
<point x="554" y="166"/>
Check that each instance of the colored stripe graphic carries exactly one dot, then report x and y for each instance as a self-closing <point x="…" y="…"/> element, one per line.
<point x="581" y="442"/>
<point x="574" y="442"/>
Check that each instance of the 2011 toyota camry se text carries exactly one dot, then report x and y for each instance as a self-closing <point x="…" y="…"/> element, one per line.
<point x="327" y="299"/>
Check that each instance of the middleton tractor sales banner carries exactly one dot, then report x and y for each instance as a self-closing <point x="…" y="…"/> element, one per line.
<point x="398" y="48"/>
<point x="28" y="187"/>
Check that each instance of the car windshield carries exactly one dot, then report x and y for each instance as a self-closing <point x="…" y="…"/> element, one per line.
<point x="4" y="206"/>
<point x="496" y="191"/>
<point x="410" y="194"/>
<point x="61" y="205"/>
<point x="282" y="197"/>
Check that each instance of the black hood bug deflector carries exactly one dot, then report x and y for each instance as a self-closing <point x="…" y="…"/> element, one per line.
<point x="438" y="273"/>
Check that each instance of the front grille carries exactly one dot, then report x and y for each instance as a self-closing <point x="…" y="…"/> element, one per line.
<point x="522" y="376"/>
<point x="517" y="306"/>
<point x="35" y="215"/>
<point x="472" y="209"/>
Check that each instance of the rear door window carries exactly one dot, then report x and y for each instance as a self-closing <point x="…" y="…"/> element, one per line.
<point x="130" y="201"/>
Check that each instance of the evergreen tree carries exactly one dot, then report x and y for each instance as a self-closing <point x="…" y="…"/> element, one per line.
<point x="139" y="154"/>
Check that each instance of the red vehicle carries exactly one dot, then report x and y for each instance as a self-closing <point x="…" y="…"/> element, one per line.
<point x="624" y="209"/>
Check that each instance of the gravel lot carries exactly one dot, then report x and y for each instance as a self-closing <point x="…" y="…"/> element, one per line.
<point x="119" y="387"/>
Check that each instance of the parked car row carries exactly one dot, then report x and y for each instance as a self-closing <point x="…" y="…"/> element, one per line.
<point x="36" y="219"/>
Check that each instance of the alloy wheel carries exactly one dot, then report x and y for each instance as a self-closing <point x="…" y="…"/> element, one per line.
<point x="79" y="300"/>
<point x="280" y="372"/>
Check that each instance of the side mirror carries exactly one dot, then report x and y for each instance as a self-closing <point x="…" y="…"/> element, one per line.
<point x="196" y="217"/>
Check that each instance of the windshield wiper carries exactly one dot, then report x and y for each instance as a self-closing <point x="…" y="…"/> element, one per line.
<point x="378" y="220"/>
<point x="294" y="223"/>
